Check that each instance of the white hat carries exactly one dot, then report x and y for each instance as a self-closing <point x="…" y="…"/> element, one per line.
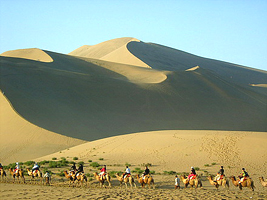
<point x="192" y="167"/>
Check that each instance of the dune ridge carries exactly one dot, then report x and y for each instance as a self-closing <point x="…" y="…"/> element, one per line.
<point x="112" y="50"/>
<point x="31" y="54"/>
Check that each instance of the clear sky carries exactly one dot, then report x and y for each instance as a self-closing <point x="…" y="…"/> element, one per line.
<point x="228" y="30"/>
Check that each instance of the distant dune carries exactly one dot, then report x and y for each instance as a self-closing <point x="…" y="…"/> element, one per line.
<point x="124" y="86"/>
<point x="31" y="54"/>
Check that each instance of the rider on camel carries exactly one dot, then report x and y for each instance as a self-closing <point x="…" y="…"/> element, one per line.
<point x="80" y="169"/>
<point x="219" y="175"/>
<point x="243" y="175"/>
<point x="127" y="172"/>
<point x="16" y="170"/>
<point x="103" y="172"/>
<point x="192" y="174"/>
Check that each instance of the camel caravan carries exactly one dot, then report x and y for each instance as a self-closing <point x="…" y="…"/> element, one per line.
<point x="77" y="178"/>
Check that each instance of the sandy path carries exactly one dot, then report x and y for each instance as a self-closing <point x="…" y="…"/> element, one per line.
<point x="27" y="191"/>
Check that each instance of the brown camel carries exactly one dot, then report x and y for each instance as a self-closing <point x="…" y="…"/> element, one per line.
<point x="126" y="179"/>
<point x="18" y="174"/>
<point x="81" y="178"/>
<point x="70" y="176"/>
<point x="246" y="183"/>
<point x="2" y="174"/>
<point x="263" y="183"/>
<point x="147" y="180"/>
<point x="35" y="174"/>
<point x="210" y="178"/>
<point x="193" y="182"/>
<point x="102" y="180"/>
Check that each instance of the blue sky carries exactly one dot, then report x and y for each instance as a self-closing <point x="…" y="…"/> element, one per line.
<point x="228" y="30"/>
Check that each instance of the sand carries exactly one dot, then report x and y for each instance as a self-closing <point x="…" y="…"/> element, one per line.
<point x="19" y="191"/>
<point x="22" y="141"/>
<point x="135" y="103"/>
<point x="30" y="54"/>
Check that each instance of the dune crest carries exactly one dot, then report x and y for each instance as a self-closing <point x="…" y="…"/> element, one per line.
<point x="192" y="69"/>
<point x="22" y="140"/>
<point x="259" y="85"/>
<point x="30" y="54"/>
<point x="112" y="50"/>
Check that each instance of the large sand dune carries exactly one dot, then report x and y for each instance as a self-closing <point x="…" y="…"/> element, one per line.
<point x="125" y="86"/>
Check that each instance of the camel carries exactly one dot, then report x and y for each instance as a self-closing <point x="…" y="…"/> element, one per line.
<point x="246" y="183"/>
<point x="193" y="182"/>
<point x="81" y="177"/>
<point x="222" y="182"/>
<point x="263" y="183"/>
<point x="148" y="180"/>
<point x="19" y="174"/>
<point x="35" y="174"/>
<point x="2" y="174"/>
<point x="126" y="179"/>
<point x="106" y="177"/>
<point x="70" y="176"/>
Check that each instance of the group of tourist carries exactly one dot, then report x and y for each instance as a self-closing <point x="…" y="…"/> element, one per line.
<point x="103" y="171"/>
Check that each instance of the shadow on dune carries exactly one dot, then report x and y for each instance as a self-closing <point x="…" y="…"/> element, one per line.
<point x="82" y="100"/>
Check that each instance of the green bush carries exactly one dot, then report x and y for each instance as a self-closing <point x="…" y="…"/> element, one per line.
<point x="90" y="161"/>
<point x="54" y="158"/>
<point x="28" y="163"/>
<point x="206" y="165"/>
<point x="146" y="165"/>
<point x="113" y="173"/>
<point x="197" y="168"/>
<point x="94" y="164"/>
<point x="43" y="162"/>
<point x="61" y="174"/>
<point x="128" y="164"/>
<point x="101" y="158"/>
<point x="169" y="172"/>
<point x="214" y="163"/>
<point x="75" y="158"/>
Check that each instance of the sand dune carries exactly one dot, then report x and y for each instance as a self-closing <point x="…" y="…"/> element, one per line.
<point x="31" y="54"/>
<point x="124" y="86"/>
<point x="178" y="150"/>
<point x="113" y="50"/>
<point x="22" y="141"/>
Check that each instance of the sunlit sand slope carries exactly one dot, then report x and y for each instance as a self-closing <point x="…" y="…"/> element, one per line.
<point x="113" y="50"/>
<point x="31" y="54"/>
<point x="22" y="141"/>
<point x="178" y="150"/>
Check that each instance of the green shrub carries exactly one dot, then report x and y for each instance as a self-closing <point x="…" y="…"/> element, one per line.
<point x="197" y="168"/>
<point x="169" y="172"/>
<point x="214" y="163"/>
<point x="28" y="163"/>
<point x="128" y="164"/>
<point x="75" y="158"/>
<point x="206" y="165"/>
<point x="113" y="173"/>
<point x="61" y="174"/>
<point x="94" y="164"/>
<point x="101" y="158"/>
<point x="146" y="165"/>
<point x="43" y="162"/>
<point x="54" y="158"/>
<point x="90" y="161"/>
<point x="152" y="172"/>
